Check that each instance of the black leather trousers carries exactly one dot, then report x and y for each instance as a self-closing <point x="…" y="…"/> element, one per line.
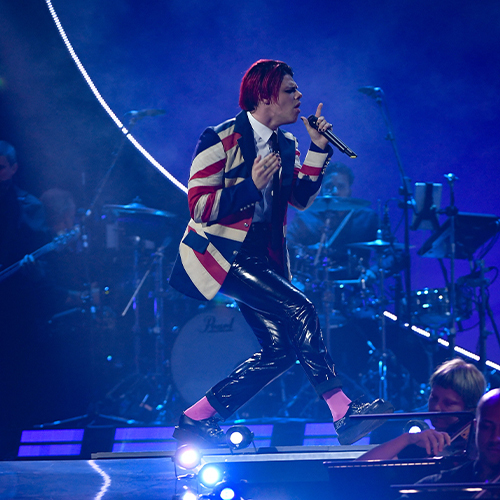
<point x="285" y="323"/>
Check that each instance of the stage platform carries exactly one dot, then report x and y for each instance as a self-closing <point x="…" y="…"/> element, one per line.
<point x="106" y="462"/>
<point x="272" y="473"/>
<point x="268" y="473"/>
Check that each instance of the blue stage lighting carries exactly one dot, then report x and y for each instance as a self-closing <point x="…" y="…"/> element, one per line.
<point x="189" y="495"/>
<point x="239" y="437"/>
<point x="210" y="475"/>
<point x="415" y="426"/>
<point x="227" y="490"/>
<point x="187" y="457"/>
<point x="227" y="494"/>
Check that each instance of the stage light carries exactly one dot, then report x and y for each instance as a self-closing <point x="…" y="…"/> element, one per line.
<point x="239" y="437"/>
<point x="187" y="494"/>
<point x="187" y="457"/>
<point x="227" y="490"/>
<point x="227" y="494"/>
<point x="415" y="426"/>
<point x="210" y="475"/>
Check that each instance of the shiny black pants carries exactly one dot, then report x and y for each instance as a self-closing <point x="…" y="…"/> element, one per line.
<point x="285" y="323"/>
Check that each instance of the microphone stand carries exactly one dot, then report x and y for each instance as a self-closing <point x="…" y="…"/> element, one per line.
<point x="116" y="155"/>
<point x="404" y="190"/>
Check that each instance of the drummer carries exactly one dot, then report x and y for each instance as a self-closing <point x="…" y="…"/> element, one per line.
<point x="360" y="224"/>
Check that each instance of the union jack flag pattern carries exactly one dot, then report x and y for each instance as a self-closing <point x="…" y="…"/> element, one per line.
<point x="222" y="198"/>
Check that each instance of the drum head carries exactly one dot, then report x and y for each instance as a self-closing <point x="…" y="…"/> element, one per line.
<point x="208" y="348"/>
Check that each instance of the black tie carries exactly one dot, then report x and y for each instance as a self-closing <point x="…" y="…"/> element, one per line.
<point x="276" y="221"/>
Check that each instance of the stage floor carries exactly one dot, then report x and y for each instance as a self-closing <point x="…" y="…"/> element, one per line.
<point x="149" y="478"/>
<point x="291" y="473"/>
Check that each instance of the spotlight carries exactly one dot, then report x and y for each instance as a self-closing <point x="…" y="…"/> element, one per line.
<point x="187" y="494"/>
<point x="227" y="490"/>
<point x="239" y="437"/>
<point x="227" y="493"/>
<point x="415" y="426"/>
<point x="210" y="475"/>
<point x="187" y="457"/>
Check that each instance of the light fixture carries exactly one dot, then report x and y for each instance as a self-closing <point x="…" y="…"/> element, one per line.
<point x="415" y="426"/>
<point x="239" y="437"/>
<point x="210" y="475"/>
<point x="187" y="494"/>
<point x="227" y="490"/>
<point x="187" y="457"/>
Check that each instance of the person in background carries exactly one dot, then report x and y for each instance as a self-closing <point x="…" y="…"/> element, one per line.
<point x="484" y="469"/>
<point x="362" y="224"/>
<point x="22" y="216"/>
<point x="22" y="231"/>
<point x="455" y="386"/>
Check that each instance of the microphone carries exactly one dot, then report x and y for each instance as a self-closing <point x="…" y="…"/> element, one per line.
<point x="137" y="115"/>
<point x="374" y="92"/>
<point x="331" y="138"/>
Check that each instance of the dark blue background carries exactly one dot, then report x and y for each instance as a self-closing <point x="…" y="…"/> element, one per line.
<point x="436" y="61"/>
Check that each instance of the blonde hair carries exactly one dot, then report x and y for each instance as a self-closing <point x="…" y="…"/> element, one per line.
<point x="464" y="378"/>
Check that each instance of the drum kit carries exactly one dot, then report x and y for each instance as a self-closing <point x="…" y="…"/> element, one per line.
<point x="337" y="278"/>
<point x="348" y="290"/>
<point x="166" y="341"/>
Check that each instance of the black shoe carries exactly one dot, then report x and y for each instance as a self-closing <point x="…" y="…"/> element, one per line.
<point x="351" y="430"/>
<point x="205" y="433"/>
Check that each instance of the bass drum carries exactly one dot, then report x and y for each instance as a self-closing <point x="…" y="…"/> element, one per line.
<point x="208" y="348"/>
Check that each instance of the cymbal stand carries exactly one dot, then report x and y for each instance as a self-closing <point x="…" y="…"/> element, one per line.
<point x="382" y="363"/>
<point x="484" y="309"/>
<point x="159" y="308"/>
<point x="158" y="329"/>
<point x="452" y="212"/>
<point x="321" y="246"/>
<point x="408" y="202"/>
<point x="327" y="295"/>
<point x="483" y="334"/>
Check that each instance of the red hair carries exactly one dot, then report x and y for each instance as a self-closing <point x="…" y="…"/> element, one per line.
<point x="262" y="81"/>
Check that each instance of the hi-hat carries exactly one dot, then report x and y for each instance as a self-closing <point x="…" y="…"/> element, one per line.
<point x="325" y="203"/>
<point x="376" y="244"/>
<point x="136" y="209"/>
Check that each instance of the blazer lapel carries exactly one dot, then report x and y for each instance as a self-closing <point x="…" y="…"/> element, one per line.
<point x="246" y="141"/>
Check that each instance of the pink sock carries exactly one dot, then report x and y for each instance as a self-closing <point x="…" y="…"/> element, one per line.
<point x="338" y="403"/>
<point x="201" y="410"/>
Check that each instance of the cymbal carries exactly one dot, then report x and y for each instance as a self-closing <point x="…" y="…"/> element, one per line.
<point x="325" y="203"/>
<point x="136" y="209"/>
<point x="376" y="244"/>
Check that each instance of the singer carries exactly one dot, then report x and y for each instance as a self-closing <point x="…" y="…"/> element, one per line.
<point x="244" y="174"/>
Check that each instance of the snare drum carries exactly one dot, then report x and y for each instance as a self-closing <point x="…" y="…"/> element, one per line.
<point x="208" y="348"/>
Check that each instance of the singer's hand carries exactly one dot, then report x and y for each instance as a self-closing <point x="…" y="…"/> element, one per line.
<point x="318" y="139"/>
<point x="263" y="169"/>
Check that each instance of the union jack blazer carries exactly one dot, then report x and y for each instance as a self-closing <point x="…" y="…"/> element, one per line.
<point x="222" y="198"/>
